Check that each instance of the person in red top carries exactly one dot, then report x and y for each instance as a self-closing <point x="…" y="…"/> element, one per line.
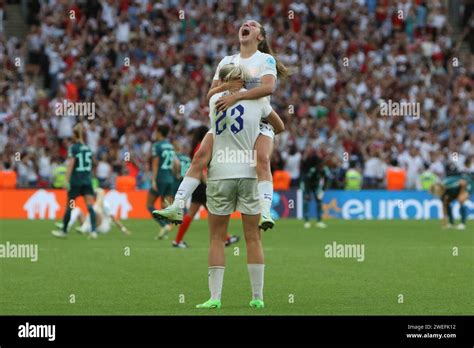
<point x="198" y="197"/>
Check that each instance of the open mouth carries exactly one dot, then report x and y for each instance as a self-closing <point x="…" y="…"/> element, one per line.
<point x="245" y="32"/>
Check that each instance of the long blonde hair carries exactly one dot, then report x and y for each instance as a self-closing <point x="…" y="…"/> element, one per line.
<point x="78" y="132"/>
<point x="231" y="72"/>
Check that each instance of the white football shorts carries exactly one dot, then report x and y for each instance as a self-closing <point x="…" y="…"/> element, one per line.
<point x="229" y="195"/>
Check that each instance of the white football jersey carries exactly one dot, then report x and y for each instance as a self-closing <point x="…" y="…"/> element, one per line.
<point x="102" y="207"/>
<point x="107" y="211"/>
<point x="235" y="132"/>
<point x="258" y="65"/>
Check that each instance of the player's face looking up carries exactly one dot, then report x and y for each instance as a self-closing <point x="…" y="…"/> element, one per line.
<point x="250" y="32"/>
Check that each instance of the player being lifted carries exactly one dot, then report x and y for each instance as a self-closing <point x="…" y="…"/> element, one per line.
<point x="454" y="187"/>
<point x="257" y="57"/>
<point x="198" y="197"/>
<point x="164" y="166"/>
<point x="78" y="181"/>
<point x="232" y="185"/>
<point x="104" y="217"/>
<point x="314" y="180"/>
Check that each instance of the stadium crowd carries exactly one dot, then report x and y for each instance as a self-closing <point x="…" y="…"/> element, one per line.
<point x="143" y="62"/>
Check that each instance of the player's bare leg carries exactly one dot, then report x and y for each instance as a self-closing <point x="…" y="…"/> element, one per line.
<point x="462" y="198"/>
<point x="150" y="203"/>
<point x="89" y="199"/>
<point x="76" y="214"/>
<point x="183" y="228"/>
<point x="192" y="179"/>
<point x="66" y="218"/>
<point x="92" y="215"/>
<point x="255" y="258"/>
<point x="201" y="158"/>
<point x="264" y="149"/>
<point x="86" y="225"/>
<point x="167" y="227"/>
<point x="217" y="235"/>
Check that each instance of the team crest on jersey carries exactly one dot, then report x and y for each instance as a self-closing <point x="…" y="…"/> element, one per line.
<point x="271" y="60"/>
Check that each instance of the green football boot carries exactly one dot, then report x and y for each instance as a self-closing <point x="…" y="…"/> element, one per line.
<point x="170" y="213"/>
<point x="257" y="304"/>
<point x="210" y="304"/>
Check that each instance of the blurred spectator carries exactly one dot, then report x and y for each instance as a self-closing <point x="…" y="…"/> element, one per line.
<point x="2" y="15"/>
<point x="412" y="162"/>
<point x="103" y="171"/>
<point x="292" y="164"/>
<point x="374" y="171"/>
<point x="427" y="179"/>
<point x="353" y="178"/>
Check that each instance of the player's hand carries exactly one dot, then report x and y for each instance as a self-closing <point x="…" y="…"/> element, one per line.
<point x="225" y="102"/>
<point x="67" y="186"/>
<point x="320" y="195"/>
<point x="125" y="231"/>
<point x="153" y="186"/>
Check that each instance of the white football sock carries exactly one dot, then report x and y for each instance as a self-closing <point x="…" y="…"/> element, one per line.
<point x="74" y="215"/>
<point x="265" y="192"/>
<point x="185" y="190"/>
<point x="256" y="272"/>
<point x="216" y="278"/>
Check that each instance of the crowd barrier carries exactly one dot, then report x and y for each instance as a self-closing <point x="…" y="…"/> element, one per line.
<point x="365" y="204"/>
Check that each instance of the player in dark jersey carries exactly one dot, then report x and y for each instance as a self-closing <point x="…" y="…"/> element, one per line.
<point x="315" y="178"/>
<point x="164" y="167"/>
<point x="78" y="181"/>
<point x="454" y="187"/>
<point x="184" y="163"/>
<point x="198" y="197"/>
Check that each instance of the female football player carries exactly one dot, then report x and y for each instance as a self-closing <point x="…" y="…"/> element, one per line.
<point x="231" y="186"/>
<point x="104" y="217"/>
<point x="454" y="187"/>
<point x="257" y="57"/>
<point x="198" y="198"/>
<point x="78" y="181"/>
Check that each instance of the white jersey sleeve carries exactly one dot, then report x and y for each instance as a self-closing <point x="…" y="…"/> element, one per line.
<point x="268" y="66"/>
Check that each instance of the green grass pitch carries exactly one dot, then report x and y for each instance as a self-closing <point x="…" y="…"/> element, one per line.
<point x="410" y="258"/>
